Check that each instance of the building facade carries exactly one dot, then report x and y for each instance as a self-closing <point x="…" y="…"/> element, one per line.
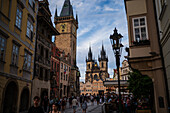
<point x="144" y="47"/>
<point x="45" y="31"/>
<point x="65" y="68"/>
<point x="55" y="71"/>
<point x="125" y="69"/>
<point x="17" y="43"/>
<point x="86" y="88"/>
<point x="67" y="25"/>
<point x="163" y="17"/>
<point x="93" y="71"/>
<point x="98" y="88"/>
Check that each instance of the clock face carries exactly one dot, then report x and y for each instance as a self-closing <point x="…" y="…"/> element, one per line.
<point x="63" y="27"/>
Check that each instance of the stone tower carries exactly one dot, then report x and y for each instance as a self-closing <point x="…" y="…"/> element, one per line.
<point x="67" y="25"/>
<point x="103" y="60"/>
<point x="103" y="63"/>
<point x="95" y="71"/>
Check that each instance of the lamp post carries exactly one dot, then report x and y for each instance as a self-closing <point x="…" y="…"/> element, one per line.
<point x="117" y="49"/>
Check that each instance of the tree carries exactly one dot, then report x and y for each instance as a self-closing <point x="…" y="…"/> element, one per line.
<point x="140" y="85"/>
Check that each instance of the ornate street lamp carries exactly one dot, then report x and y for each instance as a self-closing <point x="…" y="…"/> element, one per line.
<point x="117" y="49"/>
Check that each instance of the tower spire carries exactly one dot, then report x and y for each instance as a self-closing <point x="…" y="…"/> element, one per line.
<point x="76" y="17"/>
<point x="67" y="9"/>
<point x="56" y="14"/>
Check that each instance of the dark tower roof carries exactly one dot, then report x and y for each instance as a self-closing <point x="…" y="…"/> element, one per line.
<point x="56" y="14"/>
<point x="67" y="9"/>
<point x="77" y="18"/>
<point x="103" y="55"/>
<point x="90" y="56"/>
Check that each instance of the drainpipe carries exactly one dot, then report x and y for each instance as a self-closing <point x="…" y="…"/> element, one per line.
<point x="162" y="58"/>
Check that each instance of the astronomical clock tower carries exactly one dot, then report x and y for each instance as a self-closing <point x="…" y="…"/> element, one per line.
<point x="67" y="25"/>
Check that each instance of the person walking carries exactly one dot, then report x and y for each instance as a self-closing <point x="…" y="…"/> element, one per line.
<point x="63" y="103"/>
<point x="84" y="106"/>
<point x="36" y="108"/>
<point x="70" y="102"/>
<point x="74" y="103"/>
<point x="55" y="108"/>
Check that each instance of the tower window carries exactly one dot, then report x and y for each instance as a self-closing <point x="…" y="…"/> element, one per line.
<point x="89" y="66"/>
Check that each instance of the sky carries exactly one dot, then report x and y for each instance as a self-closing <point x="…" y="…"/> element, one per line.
<point x="97" y="20"/>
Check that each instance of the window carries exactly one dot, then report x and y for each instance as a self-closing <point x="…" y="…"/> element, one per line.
<point x="18" y="18"/>
<point x="61" y="76"/>
<point x="66" y="77"/>
<point x="29" y="29"/>
<point x="89" y="66"/>
<point x="140" y="29"/>
<point x="41" y="73"/>
<point x="42" y="51"/>
<point x="15" y="53"/>
<point x="61" y="65"/>
<point x="32" y="3"/>
<point x="46" y="53"/>
<point x="64" y="66"/>
<point x="27" y="61"/>
<point x="46" y="75"/>
<point x="2" y="48"/>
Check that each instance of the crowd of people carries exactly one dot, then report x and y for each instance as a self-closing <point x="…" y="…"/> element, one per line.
<point x="58" y="105"/>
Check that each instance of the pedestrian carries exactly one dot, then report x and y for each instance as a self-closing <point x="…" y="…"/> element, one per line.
<point x="45" y="104"/>
<point x="84" y="106"/>
<point x="74" y="103"/>
<point x="81" y="100"/>
<point x="92" y="100"/>
<point x="63" y="103"/>
<point x="70" y="102"/>
<point x="36" y="108"/>
<point x="55" y="108"/>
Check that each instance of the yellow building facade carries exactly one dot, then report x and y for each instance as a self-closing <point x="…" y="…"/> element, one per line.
<point x="17" y="40"/>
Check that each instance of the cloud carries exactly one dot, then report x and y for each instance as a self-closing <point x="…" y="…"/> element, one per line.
<point x="97" y="20"/>
<point x="107" y="8"/>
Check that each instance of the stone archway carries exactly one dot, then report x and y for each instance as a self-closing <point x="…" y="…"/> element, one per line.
<point x="24" y="100"/>
<point x="10" y="98"/>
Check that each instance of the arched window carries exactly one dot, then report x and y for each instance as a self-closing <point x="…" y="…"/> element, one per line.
<point x="95" y="77"/>
<point x="88" y="66"/>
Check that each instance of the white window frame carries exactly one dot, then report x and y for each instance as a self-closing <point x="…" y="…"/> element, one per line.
<point x="140" y="26"/>
<point x="15" y="54"/>
<point x="18" y="20"/>
<point x="30" y="29"/>
<point x="4" y="47"/>
<point x="27" y="61"/>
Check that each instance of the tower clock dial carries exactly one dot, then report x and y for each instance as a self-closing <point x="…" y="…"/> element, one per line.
<point x="63" y="27"/>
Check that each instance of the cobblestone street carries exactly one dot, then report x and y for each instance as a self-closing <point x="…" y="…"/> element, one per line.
<point x="91" y="109"/>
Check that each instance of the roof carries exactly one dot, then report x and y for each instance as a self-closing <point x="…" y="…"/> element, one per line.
<point x="67" y="9"/>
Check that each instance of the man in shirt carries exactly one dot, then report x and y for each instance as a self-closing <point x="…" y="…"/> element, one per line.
<point x="74" y="103"/>
<point x="36" y="108"/>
